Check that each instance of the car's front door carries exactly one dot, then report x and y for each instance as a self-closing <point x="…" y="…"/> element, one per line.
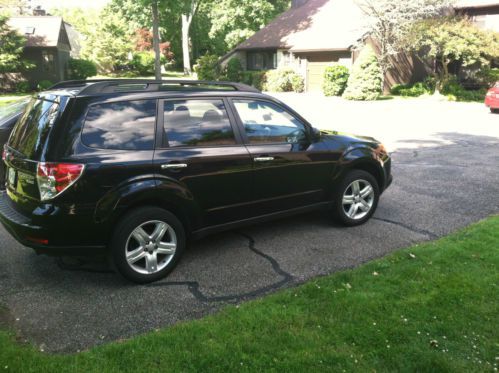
<point x="203" y="151"/>
<point x="291" y="169"/>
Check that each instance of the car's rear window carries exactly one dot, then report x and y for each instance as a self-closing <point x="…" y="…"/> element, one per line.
<point x="127" y="125"/>
<point x="30" y="133"/>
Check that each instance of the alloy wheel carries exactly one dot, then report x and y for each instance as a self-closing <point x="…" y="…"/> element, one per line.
<point x="358" y="199"/>
<point x="151" y="247"/>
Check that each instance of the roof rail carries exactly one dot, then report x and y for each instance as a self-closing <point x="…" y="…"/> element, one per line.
<point x="94" y="86"/>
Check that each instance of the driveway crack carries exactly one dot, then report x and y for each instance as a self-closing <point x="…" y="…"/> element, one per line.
<point x="431" y="235"/>
<point x="194" y="286"/>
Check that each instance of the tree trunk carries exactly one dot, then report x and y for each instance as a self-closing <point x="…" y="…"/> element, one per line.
<point x="155" y="40"/>
<point x="186" y="23"/>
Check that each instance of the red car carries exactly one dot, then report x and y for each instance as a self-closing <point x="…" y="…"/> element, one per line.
<point x="492" y="98"/>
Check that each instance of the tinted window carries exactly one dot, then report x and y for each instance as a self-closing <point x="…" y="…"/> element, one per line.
<point x="31" y="131"/>
<point x="121" y="125"/>
<point x="265" y="122"/>
<point x="197" y="123"/>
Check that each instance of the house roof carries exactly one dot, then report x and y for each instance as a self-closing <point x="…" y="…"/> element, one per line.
<point x="40" y="31"/>
<point x="476" y="4"/>
<point x="318" y="25"/>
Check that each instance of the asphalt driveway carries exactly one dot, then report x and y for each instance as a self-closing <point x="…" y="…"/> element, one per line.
<point x="446" y="169"/>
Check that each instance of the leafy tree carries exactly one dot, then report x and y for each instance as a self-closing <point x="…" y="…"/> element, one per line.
<point x="366" y="79"/>
<point x="389" y="22"/>
<point x="15" y="7"/>
<point x="452" y="40"/>
<point x="236" y="20"/>
<point x="11" y="48"/>
<point x="108" y="41"/>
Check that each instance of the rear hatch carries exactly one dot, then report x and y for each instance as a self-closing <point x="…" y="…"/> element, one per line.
<point x="27" y="145"/>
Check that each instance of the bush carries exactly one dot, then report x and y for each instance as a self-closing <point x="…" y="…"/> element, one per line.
<point x="208" y="68"/>
<point x="414" y="90"/>
<point x="81" y="69"/>
<point x="44" y="85"/>
<point x="284" y="80"/>
<point x="366" y="80"/>
<point x="142" y="63"/>
<point x="488" y="76"/>
<point x="257" y="79"/>
<point x="23" y="87"/>
<point x="335" y="80"/>
<point x="456" y="92"/>
<point x="234" y="70"/>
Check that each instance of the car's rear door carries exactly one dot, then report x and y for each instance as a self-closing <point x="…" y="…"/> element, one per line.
<point x="202" y="150"/>
<point x="291" y="169"/>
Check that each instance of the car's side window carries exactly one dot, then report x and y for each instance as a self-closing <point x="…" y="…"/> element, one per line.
<point x="127" y="125"/>
<point x="197" y="123"/>
<point x="267" y="123"/>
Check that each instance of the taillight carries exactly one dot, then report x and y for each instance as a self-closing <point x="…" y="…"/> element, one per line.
<point x="55" y="178"/>
<point x="4" y="155"/>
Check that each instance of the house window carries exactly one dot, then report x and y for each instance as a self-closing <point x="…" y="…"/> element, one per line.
<point x="262" y="60"/>
<point x="48" y="60"/>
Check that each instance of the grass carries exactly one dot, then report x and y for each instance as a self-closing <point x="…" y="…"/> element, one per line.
<point x="9" y="98"/>
<point x="432" y="307"/>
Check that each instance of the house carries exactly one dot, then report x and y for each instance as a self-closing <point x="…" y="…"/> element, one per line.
<point x="311" y="35"/>
<point x="47" y="46"/>
<point x="314" y="34"/>
<point x="484" y="13"/>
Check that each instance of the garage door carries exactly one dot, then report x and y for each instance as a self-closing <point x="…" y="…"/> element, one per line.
<point x="315" y="75"/>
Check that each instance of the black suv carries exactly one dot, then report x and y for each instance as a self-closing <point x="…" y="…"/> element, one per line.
<point x="138" y="166"/>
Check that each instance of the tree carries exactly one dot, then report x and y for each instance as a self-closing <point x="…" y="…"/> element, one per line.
<point x="15" y="7"/>
<point x="11" y="48"/>
<point x="389" y="21"/>
<point x="236" y="20"/>
<point x="109" y="41"/>
<point x="441" y="42"/>
<point x="365" y="81"/>
<point x="187" y="16"/>
<point x="156" y="39"/>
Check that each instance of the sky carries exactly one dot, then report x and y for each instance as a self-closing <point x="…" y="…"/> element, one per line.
<point x="48" y="4"/>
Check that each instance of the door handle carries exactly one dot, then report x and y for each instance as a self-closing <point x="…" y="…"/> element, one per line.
<point x="173" y="166"/>
<point x="263" y="159"/>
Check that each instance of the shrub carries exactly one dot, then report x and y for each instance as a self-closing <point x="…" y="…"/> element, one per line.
<point x="365" y="81"/>
<point x="142" y="63"/>
<point x="23" y="87"/>
<point x="488" y="76"/>
<point x="414" y="90"/>
<point x="208" y="68"/>
<point x="81" y="69"/>
<point x="234" y="70"/>
<point x="456" y="92"/>
<point x="335" y="80"/>
<point x="257" y="79"/>
<point x="44" y="85"/>
<point x="284" y="80"/>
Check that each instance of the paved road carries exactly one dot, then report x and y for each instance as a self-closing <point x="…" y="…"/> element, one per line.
<point x="446" y="166"/>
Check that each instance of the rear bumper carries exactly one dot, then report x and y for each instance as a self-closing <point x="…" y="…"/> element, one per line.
<point x="47" y="239"/>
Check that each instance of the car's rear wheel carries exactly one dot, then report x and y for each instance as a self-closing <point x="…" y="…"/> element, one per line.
<point x="356" y="198"/>
<point x="494" y="111"/>
<point x="147" y="244"/>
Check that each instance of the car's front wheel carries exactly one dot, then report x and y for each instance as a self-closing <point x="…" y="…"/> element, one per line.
<point x="356" y="198"/>
<point x="147" y="244"/>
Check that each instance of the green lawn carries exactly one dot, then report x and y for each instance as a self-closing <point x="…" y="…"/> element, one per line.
<point x="9" y="98"/>
<point x="431" y="307"/>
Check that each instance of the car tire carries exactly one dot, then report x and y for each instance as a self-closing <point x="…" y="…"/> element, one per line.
<point x="147" y="244"/>
<point x="356" y="198"/>
<point x="494" y="111"/>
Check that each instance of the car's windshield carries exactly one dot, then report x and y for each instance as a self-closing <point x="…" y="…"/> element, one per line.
<point x="10" y="110"/>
